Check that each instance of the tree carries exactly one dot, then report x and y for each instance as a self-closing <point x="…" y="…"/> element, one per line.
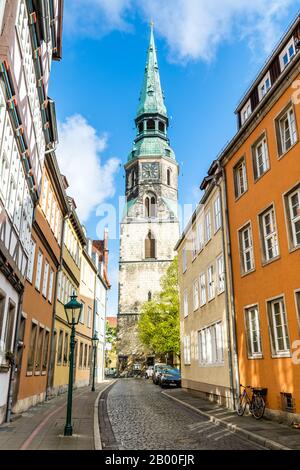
<point x="159" y="321"/>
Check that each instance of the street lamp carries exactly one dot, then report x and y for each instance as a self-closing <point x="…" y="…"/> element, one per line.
<point x="95" y="341"/>
<point x="73" y="311"/>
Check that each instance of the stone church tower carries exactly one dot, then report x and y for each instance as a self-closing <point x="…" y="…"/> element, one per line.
<point x="150" y="228"/>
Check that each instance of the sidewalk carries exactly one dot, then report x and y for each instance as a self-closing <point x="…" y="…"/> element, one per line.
<point x="42" y="427"/>
<point x="264" y="432"/>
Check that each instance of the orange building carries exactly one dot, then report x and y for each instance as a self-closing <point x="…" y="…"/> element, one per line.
<point x="39" y="297"/>
<point x="262" y="170"/>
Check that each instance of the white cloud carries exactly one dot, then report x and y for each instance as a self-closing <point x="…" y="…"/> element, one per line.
<point x="79" y="157"/>
<point x="193" y="29"/>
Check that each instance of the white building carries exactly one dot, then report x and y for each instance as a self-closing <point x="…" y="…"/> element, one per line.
<point x="29" y="40"/>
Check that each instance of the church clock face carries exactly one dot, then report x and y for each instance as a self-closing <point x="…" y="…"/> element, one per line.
<point x="150" y="171"/>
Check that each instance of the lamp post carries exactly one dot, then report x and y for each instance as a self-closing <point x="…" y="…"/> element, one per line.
<point x="95" y="341"/>
<point x="73" y="311"/>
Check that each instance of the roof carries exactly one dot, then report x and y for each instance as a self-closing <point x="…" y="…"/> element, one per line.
<point x="112" y="321"/>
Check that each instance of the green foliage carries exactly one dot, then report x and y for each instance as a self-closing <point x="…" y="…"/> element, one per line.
<point x="159" y="320"/>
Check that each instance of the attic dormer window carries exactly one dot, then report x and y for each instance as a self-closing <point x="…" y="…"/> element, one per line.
<point x="264" y="86"/>
<point x="287" y="54"/>
<point x="245" y="112"/>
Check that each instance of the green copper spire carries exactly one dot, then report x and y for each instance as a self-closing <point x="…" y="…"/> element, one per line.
<point x="151" y="99"/>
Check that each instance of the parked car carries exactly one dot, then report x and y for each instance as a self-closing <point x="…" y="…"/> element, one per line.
<point x="158" y="369"/>
<point x="149" y="372"/>
<point x="170" y="377"/>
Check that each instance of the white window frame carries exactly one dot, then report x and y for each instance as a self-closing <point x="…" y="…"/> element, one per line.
<point x="252" y="324"/>
<point x="185" y="303"/>
<point x="211" y="282"/>
<point x="200" y="236"/>
<point x="31" y="261"/>
<point x="45" y="279"/>
<point x="246" y="249"/>
<point x="240" y="178"/>
<point x="260" y="158"/>
<point x="208" y="228"/>
<point x="286" y="53"/>
<point x="246" y="112"/>
<point x="217" y="213"/>
<point x="263" y="87"/>
<point x="184" y="259"/>
<point x="194" y="245"/>
<point x="276" y="351"/>
<point x="39" y="267"/>
<point x="51" y="281"/>
<point x="269" y="234"/>
<point x="294" y="219"/>
<point x="211" y="345"/>
<point x="195" y="295"/>
<point x="202" y="283"/>
<point x="187" y="350"/>
<point x="221" y="274"/>
<point x="289" y="117"/>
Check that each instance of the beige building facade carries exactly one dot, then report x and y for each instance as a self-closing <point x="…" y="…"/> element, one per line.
<point x="206" y="326"/>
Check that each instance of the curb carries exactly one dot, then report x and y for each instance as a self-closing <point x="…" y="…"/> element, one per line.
<point x="268" y="443"/>
<point x="97" y="435"/>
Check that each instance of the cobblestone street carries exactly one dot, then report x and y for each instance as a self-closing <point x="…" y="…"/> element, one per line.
<point x="142" y="418"/>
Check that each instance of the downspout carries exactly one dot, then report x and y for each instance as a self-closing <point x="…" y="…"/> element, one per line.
<point x="230" y="305"/>
<point x="54" y="310"/>
<point x="13" y="365"/>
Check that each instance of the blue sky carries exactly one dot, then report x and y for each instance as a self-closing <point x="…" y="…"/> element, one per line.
<point x="209" y="52"/>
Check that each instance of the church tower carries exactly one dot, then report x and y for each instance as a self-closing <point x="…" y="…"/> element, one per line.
<point x="150" y="228"/>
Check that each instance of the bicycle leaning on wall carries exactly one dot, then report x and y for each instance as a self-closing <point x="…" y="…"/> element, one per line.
<point x="255" y="402"/>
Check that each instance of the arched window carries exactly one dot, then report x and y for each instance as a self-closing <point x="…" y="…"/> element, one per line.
<point x="153" y="207"/>
<point x="168" y="177"/>
<point x="150" y="124"/>
<point x="147" y="207"/>
<point x="133" y="178"/>
<point x="141" y="127"/>
<point x="150" y="246"/>
<point x="129" y="181"/>
<point x="149" y="296"/>
<point x="161" y="126"/>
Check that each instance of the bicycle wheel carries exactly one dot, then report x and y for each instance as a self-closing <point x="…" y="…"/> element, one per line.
<point x="241" y="405"/>
<point x="258" y="407"/>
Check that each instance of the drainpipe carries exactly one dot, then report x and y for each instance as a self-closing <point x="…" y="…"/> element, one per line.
<point x="230" y="305"/>
<point x="54" y="308"/>
<point x="12" y="372"/>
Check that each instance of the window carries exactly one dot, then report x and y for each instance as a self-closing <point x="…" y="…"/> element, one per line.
<point x="202" y="289"/>
<point x="297" y="294"/>
<point x="31" y="261"/>
<point x="194" y="245"/>
<point x="187" y="350"/>
<point x="89" y="317"/>
<point x="150" y="206"/>
<point x="151" y="124"/>
<point x="293" y="209"/>
<point x="185" y="303"/>
<point x="210" y="343"/>
<point x="32" y="346"/>
<point x="66" y="346"/>
<point x="60" y="347"/>
<point x="39" y="270"/>
<point x="169" y="177"/>
<point x="161" y="127"/>
<point x="45" y="280"/>
<point x="269" y="234"/>
<point x="9" y="328"/>
<point x="90" y="356"/>
<point x="207" y="226"/>
<point x="196" y="294"/>
<point x="82" y="316"/>
<point x="50" y="292"/>
<point x="211" y="282"/>
<point x="287" y="54"/>
<point x="150" y="248"/>
<point x="264" y="86"/>
<point x="44" y="195"/>
<point x="149" y="296"/>
<point x="220" y="274"/>
<point x="85" y="355"/>
<point x="246" y="249"/>
<point x="240" y="178"/>
<point x="253" y="332"/>
<point x="260" y="158"/>
<point x="286" y="131"/>
<point x="288" y="402"/>
<point x="245" y="112"/>
<point x="39" y="351"/>
<point x="45" y="351"/>
<point x="184" y="260"/>
<point x="2" y="311"/>
<point x="200" y="236"/>
<point x="217" y="214"/>
<point x="280" y="342"/>
<point x="141" y="127"/>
